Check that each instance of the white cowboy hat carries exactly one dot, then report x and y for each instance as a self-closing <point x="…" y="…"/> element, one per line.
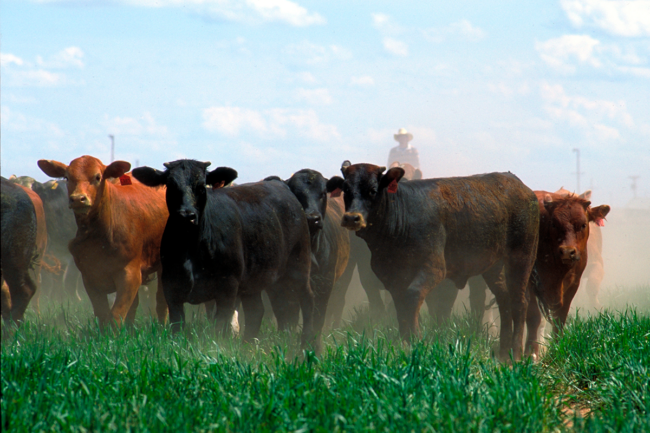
<point x="402" y="132"/>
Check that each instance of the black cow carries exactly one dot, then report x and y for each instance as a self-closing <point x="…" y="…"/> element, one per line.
<point x="432" y="229"/>
<point x="24" y="239"/>
<point x="330" y="243"/>
<point x="61" y="229"/>
<point x="228" y="242"/>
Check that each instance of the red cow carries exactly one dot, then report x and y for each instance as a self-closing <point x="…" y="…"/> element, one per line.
<point x="595" y="270"/>
<point x="24" y="239"/>
<point x="120" y="223"/>
<point x="561" y="258"/>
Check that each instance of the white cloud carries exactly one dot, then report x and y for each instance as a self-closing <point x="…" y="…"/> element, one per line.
<point x="71" y="56"/>
<point x="623" y="18"/>
<point x="314" y="96"/>
<point x="272" y="123"/>
<point x="560" y="52"/>
<point x="396" y="47"/>
<point x="363" y="81"/>
<point x="7" y="59"/>
<point x="586" y="114"/>
<point x="566" y="53"/>
<point x="510" y="89"/>
<point x="385" y="24"/>
<point x="34" y="78"/>
<point x="463" y="29"/>
<point x="307" y="77"/>
<point x="144" y="125"/>
<point x="23" y="124"/>
<point x="313" y="54"/>
<point x="246" y="11"/>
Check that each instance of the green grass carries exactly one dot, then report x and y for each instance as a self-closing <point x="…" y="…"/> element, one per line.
<point x="61" y="373"/>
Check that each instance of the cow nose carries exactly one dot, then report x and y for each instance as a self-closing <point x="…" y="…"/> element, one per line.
<point x="78" y="198"/>
<point x="569" y="254"/>
<point x="352" y="218"/>
<point x="315" y="220"/>
<point x="188" y="215"/>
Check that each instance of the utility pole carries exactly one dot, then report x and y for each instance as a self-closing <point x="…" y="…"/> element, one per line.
<point x="112" y="137"/>
<point x="633" y="186"/>
<point x="577" y="151"/>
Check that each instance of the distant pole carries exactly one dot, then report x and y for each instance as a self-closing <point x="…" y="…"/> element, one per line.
<point x="112" y="137"/>
<point x="634" y="178"/>
<point x="577" y="151"/>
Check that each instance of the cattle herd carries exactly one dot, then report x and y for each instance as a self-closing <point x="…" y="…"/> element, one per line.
<point x="299" y="241"/>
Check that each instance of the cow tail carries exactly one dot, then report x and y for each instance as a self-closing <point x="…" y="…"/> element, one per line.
<point x="535" y="284"/>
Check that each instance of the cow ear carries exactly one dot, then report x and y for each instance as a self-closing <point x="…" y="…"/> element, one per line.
<point x="598" y="214"/>
<point x="335" y="183"/>
<point x="116" y="169"/>
<point x="344" y="166"/>
<point x="417" y="175"/>
<point x="52" y="168"/>
<point x="586" y="195"/>
<point x="150" y="176"/>
<point x="221" y="174"/>
<point x="390" y="179"/>
<point x="266" y="179"/>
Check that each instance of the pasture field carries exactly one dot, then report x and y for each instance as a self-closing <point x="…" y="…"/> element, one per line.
<point x="61" y="373"/>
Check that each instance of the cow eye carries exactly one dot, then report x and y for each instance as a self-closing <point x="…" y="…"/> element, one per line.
<point x="584" y="226"/>
<point x="98" y="177"/>
<point x="373" y="191"/>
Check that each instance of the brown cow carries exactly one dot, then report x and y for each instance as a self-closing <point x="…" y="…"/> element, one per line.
<point x="595" y="270"/>
<point x="561" y="258"/>
<point x="24" y="239"/>
<point x="120" y="223"/>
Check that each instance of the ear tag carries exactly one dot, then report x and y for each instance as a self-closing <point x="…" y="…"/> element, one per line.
<point x="392" y="187"/>
<point x="125" y="180"/>
<point x="336" y="193"/>
<point x="54" y="185"/>
<point x="600" y="222"/>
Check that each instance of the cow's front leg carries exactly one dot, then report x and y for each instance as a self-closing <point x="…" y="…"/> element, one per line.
<point x="127" y="283"/>
<point x="408" y="302"/>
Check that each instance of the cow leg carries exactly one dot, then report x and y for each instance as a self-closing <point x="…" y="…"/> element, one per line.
<point x="5" y="302"/>
<point x="372" y="286"/>
<point x="441" y="300"/>
<point x="130" y="316"/>
<point x="322" y="290"/>
<point x="477" y="296"/>
<point x="517" y="275"/>
<point x="21" y="289"/>
<point x="570" y="290"/>
<point x="100" y="305"/>
<point x="161" y="302"/>
<point x="408" y="302"/>
<point x="533" y="321"/>
<point x="496" y="282"/>
<point x="594" y="279"/>
<point x="210" y="309"/>
<point x="254" y="312"/>
<point x="127" y="282"/>
<point x="336" y="303"/>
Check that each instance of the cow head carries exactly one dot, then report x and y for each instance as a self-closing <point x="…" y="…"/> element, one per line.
<point x="566" y="222"/>
<point x="310" y="188"/>
<point x="84" y="175"/>
<point x="364" y="186"/>
<point x="186" y="182"/>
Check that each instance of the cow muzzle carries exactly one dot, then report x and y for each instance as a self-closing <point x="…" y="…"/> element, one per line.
<point x="189" y="216"/>
<point x="569" y="255"/>
<point x="353" y="221"/>
<point x="315" y="221"/>
<point x="79" y="203"/>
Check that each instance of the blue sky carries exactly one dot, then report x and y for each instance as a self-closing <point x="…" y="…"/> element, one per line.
<point x="273" y="86"/>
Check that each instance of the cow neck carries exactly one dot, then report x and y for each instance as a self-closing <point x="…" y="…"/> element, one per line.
<point x="388" y="219"/>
